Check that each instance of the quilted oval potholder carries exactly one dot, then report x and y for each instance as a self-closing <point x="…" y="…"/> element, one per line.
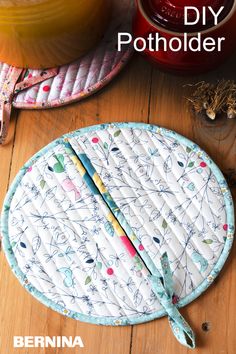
<point x="119" y="224"/>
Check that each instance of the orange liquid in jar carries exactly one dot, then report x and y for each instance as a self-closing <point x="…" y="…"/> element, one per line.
<point x="49" y="33"/>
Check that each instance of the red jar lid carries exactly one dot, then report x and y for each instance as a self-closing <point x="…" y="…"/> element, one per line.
<point x="170" y="13"/>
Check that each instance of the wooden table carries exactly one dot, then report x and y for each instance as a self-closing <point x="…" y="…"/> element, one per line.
<point x="141" y="93"/>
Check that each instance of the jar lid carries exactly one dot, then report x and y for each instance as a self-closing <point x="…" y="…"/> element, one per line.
<point x="170" y="13"/>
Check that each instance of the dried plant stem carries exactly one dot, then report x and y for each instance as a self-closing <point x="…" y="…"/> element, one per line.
<point x="214" y="99"/>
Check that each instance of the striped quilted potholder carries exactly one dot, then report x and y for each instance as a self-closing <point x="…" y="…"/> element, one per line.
<point x="119" y="224"/>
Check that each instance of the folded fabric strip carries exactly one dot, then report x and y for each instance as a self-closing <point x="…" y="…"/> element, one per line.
<point x="109" y="215"/>
<point x="164" y="291"/>
<point x="11" y="87"/>
<point x="162" y="284"/>
<point x="6" y="97"/>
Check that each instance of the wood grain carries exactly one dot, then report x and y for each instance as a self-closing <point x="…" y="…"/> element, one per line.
<point x="217" y="306"/>
<point x="141" y="93"/>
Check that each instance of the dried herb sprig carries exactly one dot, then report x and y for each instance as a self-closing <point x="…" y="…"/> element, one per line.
<point x="214" y="99"/>
<point x="231" y="102"/>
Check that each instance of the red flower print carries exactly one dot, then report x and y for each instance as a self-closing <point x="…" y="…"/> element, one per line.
<point x="110" y="271"/>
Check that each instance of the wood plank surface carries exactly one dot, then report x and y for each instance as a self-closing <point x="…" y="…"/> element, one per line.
<point x="141" y="93"/>
<point x="217" y="307"/>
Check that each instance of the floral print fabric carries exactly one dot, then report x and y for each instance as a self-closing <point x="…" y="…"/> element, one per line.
<point x="169" y="196"/>
<point x="64" y="250"/>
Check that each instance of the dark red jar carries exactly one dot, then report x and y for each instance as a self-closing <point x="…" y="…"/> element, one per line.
<point x="166" y="17"/>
